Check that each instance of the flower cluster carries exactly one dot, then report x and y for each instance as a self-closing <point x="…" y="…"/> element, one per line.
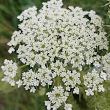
<point x="29" y="80"/>
<point x="70" y="80"/>
<point x="10" y="71"/>
<point x="60" y="47"/>
<point x="93" y="80"/>
<point x="45" y="76"/>
<point x="57" y="97"/>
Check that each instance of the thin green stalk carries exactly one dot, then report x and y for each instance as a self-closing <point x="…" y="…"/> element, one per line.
<point x="58" y="81"/>
<point x="22" y="66"/>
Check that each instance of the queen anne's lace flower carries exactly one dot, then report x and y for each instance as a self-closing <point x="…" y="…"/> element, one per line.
<point x="45" y="76"/>
<point x="62" y="47"/>
<point x="68" y="107"/>
<point x="10" y="71"/>
<point x="93" y="80"/>
<point x="76" y="90"/>
<point x="11" y="50"/>
<point x="56" y="97"/>
<point x="30" y="80"/>
<point x="71" y="79"/>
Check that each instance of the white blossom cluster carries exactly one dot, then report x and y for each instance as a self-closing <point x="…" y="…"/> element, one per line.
<point x="29" y="80"/>
<point x="57" y="97"/>
<point x="70" y="80"/>
<point x="92" y="81"/>
<point x="45" y="76"/>
<point x="60" y="47"/>
<point x="10" y="71"/>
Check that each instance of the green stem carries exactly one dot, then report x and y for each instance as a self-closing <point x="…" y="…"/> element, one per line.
<point x="58" y="81"/>
<point x="80" y="97"/>
<point x="19" y="71"/>
<point x="22" y="66"/>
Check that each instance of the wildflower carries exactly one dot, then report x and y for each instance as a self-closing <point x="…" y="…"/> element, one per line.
<point x="10" y="71"/>
<point x="29" y="79"/>
<point x="101" y="88"/>
<point x="57" y="97"/>
<point x="89" y="92"/>
<point x="68" y="107"/>
<point x="11" y="50"/>
<point x="76" y="90"/>
<point x="61" y="47"/>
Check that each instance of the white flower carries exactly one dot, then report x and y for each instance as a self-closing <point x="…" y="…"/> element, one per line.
<point x="89" y="92"/>
<point x="96" y="64"/>
<point x="68" y="107"/>
<point x="12" y="82"/>
<point x="59" y="46"/>
<point x="58" y="68"/>
<point x="31" y="12"/>
<point x="45" y="76"/>
<point x="57" y="97"/>
<point x="103" y="75"/>
<point x="71" y="79"/>
<point x="92" y="80"/>
<point x="29" y="79"/>
<point x="32" y="89"/>
<point x="10" y="71"/>
<point x="19" y="82"/>
<point x="11" y="50"/>
<point x="15" y="39"/>
<point x="76" y="90"/>
<point x="68" y="88"/>
<point x="52" y="21"/>
<point x="48" y="104"/>
<point x="101" y="88"/>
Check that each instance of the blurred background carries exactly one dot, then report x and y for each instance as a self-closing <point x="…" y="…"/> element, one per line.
<point x="12" y="98"/>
